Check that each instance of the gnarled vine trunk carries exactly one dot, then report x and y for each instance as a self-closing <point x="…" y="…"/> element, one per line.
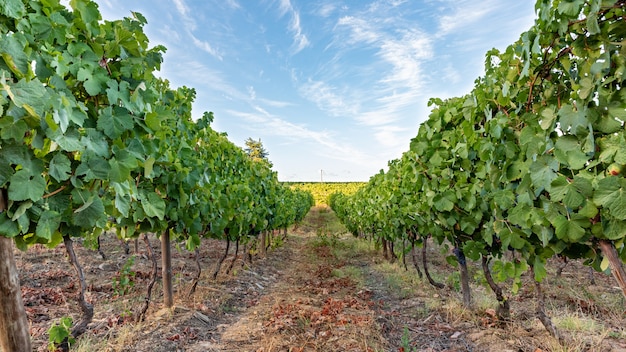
<point x="504" y="310"/>
<point x="465" y="287"/>
<point x="153" y="278"/>
<point x="415" y="260"/>
<point x="425" y="265"/>
<point x="218" y="265"/>
<point x="85" y="306"/>
<point x="542" y="316"/>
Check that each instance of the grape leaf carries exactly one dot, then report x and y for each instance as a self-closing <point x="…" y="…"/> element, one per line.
<point x="610" y="194"/>
<point x="24" y="186"/>
<point x="48" y="224"/>
<point x="152" y="204"/>
<point x="60" y="167"/>
<point x="12" y="8"/>
<point x="114" y="122"/>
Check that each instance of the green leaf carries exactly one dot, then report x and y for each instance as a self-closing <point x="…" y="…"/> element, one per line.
<point x="8" y="228"/>
<point x="93" y="81"/>
<point x="548" y="115"/>
<point x="21" y="210"/>
<point x="115" y="121"/>
<point x="13" y="53"/>
<point x="96" y="143"/>
<point x="31" y="96"/>
<point x="12" y="8"/>
<point x="60" y="167"/>
<point x="123" y="195"/>
<point x="613" y="229"/>
<point x="573" y="194"/>
<point x="504" y="199"/>
<point x="153" y="205"/>
<point x="444" y="201"/>
<point x="513" y="237"/>
<point x="91" y="211"/>
<point x="610" y="194"/>
<point x="68" y="141"/>
<point x="567" y="150"/>
<point x="13" y="129"/>
<point x="89" y="13"/>
<point x="543" y="171"/>
<point x="586" y="87"/>
<point x="148" y="165"/>
<point x="592" y="23"/>
<point x="24" y="186"/>
<point x="153" y="121"/>
<point x="573" y="120"/>
<point x="567" y="230"/>
<point x="545" y="236"/>
<point x="608" y="124"/>
<point x="48" y="224"/>
<point x="539" y="268"/>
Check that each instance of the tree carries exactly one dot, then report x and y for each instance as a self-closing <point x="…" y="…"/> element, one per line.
<point x="254" y="149"/>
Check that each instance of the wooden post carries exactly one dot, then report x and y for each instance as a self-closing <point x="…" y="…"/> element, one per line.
<point x="166" y="260"/>
<point x="608" y="250"/>
<point x="14" y="333"/>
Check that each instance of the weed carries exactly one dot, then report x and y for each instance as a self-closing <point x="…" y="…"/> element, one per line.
<point x="60" y="334"/>
<point x="405" y="342"/>
<point x="326" y="238"/>
<point x="277" y="242"/>
<point x="124" y="281"/>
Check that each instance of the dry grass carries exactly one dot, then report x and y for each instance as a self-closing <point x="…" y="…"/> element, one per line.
<point x="328" y="291"/>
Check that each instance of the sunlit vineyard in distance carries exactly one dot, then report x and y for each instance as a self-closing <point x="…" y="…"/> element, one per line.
<point x="322" y="190"/>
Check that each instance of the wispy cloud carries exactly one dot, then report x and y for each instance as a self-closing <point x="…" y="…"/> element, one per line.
<point x="300" y="40"/>
<point x="394" y="67"/>
<point x="328" y="99"/>
<point x="190" y="72"/>
<point x="205" y="46"/>
<point x="233" y="4"/>
<point x="392" y="136"/>
<point x="325" y="10"/>
<point x="466" y="13"/>
<point x="326" y="142"/>
<point x="190" y="26"/>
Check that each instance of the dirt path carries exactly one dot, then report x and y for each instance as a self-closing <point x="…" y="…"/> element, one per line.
<point x="318" y="291"/>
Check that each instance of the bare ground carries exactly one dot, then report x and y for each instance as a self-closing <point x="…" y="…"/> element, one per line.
<point x="319" y="291"/>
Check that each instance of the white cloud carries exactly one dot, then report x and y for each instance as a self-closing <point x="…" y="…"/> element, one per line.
<point x="205" y="46"/>
<point x="185" y="13"/>
<point x="233" y="4"/>
<point x="395" y="70"/>
<point x="325" y="141"/>
<point x="325" y="10"/>
<point x="465" y="13"/>
<point x="300" y="40"/>
<point x="275" y="103"/>
<point x="251" y="92"/>
<point x="391" y="136"/>
<point x="328" y="99"/>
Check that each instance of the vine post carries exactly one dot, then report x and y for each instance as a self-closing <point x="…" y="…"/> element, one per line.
<point x="14" y="334"/>
<point x="166" y="260"/>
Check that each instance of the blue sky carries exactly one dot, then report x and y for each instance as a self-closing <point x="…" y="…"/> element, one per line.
<point x="333" y="89"/>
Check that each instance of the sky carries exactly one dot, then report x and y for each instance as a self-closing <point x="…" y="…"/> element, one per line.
<point x="334" y="89"/>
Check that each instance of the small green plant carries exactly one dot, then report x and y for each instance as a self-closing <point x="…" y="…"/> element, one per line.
<point x="277" y="242"/>
<point x="125" y="280"/>
<point x="326" y="239"/>
<point x="454" y="280"/>
<point x="60" y="334"/>
<point x="405" y="342"/>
